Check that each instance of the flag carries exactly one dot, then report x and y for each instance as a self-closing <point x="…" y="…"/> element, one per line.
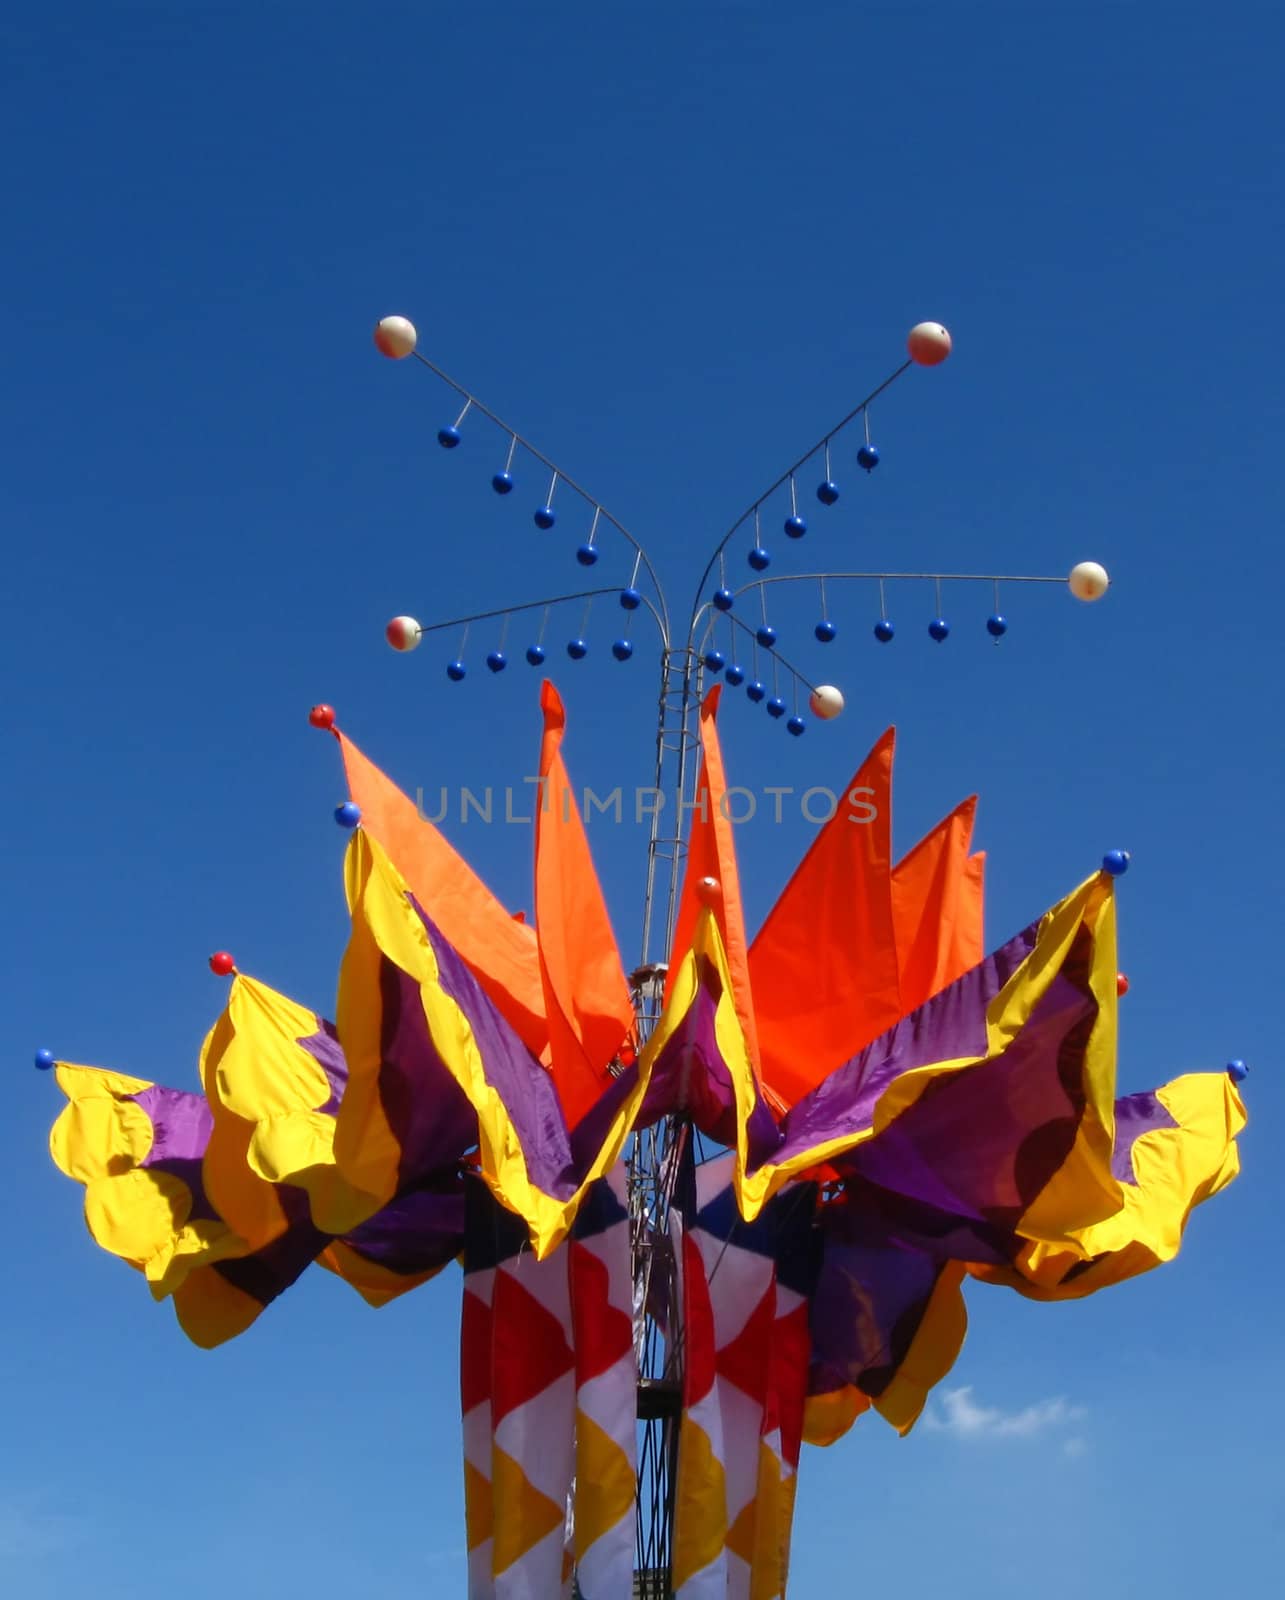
<point x="711" y="855"/>
<point x="1174" y="1148"/>
<point x="518" y="1395"/>
<point x="824" y="964"/>
<point x="586" y="998"/>
<point x="744" y="1287"/>
<point x="434" y="1070"/>
<point x="602" y="1293"/>
<point x="937" y="909"/>
<point x="497" y="948"/>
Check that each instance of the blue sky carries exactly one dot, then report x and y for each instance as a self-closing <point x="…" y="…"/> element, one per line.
<point x="673" y="245"/>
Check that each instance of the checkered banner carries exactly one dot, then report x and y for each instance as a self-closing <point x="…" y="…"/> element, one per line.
<point x="548" y="1382"/>
<point x="745" y="1380"/>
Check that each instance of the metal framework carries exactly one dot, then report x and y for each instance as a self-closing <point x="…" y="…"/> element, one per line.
<point x="660" y="1158"/>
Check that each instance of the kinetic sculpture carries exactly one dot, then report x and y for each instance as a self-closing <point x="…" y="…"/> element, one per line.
<point x="705" y="1213"/>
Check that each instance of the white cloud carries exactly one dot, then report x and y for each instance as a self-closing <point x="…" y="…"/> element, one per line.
<point x="961" y="1415"/>
<point x="1075" y="1447"/>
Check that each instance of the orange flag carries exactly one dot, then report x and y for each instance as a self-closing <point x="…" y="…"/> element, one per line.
<point x="499" y="951"/>
<point x="586" y="996"/>
<point x="824" y="964"/>
<point x="970" y="920"/>
<point x="711" y="853"/>
<point x="937" y="908"/>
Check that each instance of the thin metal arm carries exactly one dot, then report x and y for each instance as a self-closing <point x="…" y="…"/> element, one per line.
<point x="785" y="477"/>
<point x="600" y="511"/>
<point x="770" y="651"/>
<point x="536" y="605"/>
<point x="919" y="577"/>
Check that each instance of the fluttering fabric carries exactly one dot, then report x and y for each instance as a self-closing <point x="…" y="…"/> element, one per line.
<point x="745" y="1290"/>
<point x="170" y="1186"/>
<point x="548" y="1384"/>
<point x="899" y="1114"/>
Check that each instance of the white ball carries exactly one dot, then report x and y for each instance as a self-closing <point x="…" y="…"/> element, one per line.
<point x="1088" y="581"/>
<point x="928" y="344"/>
<point x="395" y="337"/>
<point x="826" y="701"/>
<point x="403" y="633"/>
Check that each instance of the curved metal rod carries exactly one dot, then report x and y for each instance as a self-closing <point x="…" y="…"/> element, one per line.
<point x="535" y="605"/>
<point x="789" y="472"/>
<point x="473" y="403"/>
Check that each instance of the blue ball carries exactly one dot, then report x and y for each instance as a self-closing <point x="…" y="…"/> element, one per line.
<point x="827" y="492"/>
<point x="715" y="660"/>
<point x="825" y="632"/>
<point x="766" y="635"/>
<point x="939" y="629"/>
<point x="1116" y="862"/>
<point x="997" y="626"/>
<point x="776" y="706"/>
<point x="586" y="555"/>
<point x="630" y="599"/>
<point x="448" y="438"/>
<point x="622" y="649"/>
<point x="735" y="675"/>
<point x="535" y="654"/>
<point x="502" y="483"/>
<point x="545" y="517"/>
<point x="455" y="671"/>
<point x="884" y="631"/>
<point x="44" y="1059"/>
<point x="348" y="815"/>
<point x="577" y="649"/>
<point x="497" y="661"/>
<point x="724" y="599"/>
<point x="796" y="726"/>
<point x="755" y="690"/>
<point x="759" y="558"/>
<point x="795" y="527"/>
<point x="1237" y="1071"/>
<point x="868" y="457"/>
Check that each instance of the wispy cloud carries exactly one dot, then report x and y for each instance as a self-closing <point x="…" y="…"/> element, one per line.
<point x="29" y="1534"/>
<point x="958" y="1413"/>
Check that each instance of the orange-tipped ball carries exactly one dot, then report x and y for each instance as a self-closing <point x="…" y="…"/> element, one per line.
<point x="928" y="344"/>
<point x="395" y="337"/>
<point x="322" y="716"/>
<point x="708" y="891"/>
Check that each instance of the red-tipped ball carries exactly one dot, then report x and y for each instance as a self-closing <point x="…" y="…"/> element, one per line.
<point x="403" y="633"/>
<point x="1121" y="984"/>
<point x="222" y="964"/>
<point x="708" y="891"/>
<point x="322" y="716"/>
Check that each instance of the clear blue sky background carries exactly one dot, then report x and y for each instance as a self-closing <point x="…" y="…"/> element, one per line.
<point x="673" y="244"/>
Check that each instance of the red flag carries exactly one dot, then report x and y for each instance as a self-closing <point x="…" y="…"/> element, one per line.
<point x="824" y="964"/>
